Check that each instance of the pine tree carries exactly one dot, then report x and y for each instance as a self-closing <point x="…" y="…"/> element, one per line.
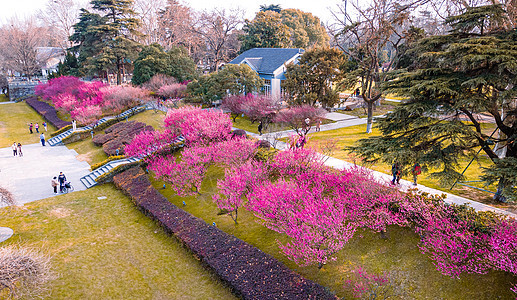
<point x="456" y="77"/>
<point x="106" y="38"/>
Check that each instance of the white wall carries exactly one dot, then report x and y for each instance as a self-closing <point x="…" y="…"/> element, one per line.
<point x="275" y="88"/>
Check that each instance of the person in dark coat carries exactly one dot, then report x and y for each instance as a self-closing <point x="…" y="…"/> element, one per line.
<point x="62" y="179"/>
<point x="396" y="171"/>
<point x="260" y="128"/>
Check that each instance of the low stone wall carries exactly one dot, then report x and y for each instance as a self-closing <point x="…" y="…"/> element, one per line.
<point x="18" y="91"/>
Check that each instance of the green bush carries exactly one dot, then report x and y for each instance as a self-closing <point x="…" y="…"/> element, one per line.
<point x="108" y="176"/>
<point x="61" y="130"/>
<point x="76" y="136"/>
<point x="102" y="163"/>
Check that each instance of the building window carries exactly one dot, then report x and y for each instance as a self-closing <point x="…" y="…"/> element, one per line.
<point x="266" y="88"/>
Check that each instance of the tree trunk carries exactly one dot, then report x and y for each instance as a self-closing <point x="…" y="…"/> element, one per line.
<point x="500" y="189"/>
<point x="369" y="121"/>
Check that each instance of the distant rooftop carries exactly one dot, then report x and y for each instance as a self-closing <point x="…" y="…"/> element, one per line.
<point x="266" y="60"/>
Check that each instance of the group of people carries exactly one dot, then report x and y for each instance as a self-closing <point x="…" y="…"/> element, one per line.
<point x="36" y="126"/>
<point x="59" y="181"/>
<point x="42" y="135"/>
<point x="17" y="149"/>
<point x="396" y="171"/>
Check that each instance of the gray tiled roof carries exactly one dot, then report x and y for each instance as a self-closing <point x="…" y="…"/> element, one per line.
<point x="267" y="60"/>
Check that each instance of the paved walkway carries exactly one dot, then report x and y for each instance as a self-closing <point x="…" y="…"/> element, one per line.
<point x="28" y="177"/>
<point x="381" y="177"/>
<point x="5" y="233"/>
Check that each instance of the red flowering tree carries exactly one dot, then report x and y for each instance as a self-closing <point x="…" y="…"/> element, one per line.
<point x="198" y="126"/>
<point x="83" y="100"/>
<point x="296" y="117"/>
<point x="117" y="99"/>
<point x="234" y="104"/>
<point x="260" y="108"/>
<point x="173" y="91"/>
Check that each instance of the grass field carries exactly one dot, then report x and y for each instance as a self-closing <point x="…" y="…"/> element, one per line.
<point x="150" y="117"/>
<point x="107" y="249"/>
<point x="14" y="120"/>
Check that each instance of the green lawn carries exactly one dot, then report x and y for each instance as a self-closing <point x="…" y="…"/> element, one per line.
<point x="14" y="120"/>
<point x="399" y="254"/>
<point x="3" y="98"/>
<point x="150" y="117"/>
<point x="107" y="249"/>
<point x="88" y="152"/>
<point x="384" y="108"/>
<point x="245" y="124"/>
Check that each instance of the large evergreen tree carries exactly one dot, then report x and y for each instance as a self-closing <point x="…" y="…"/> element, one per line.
<point x="154" y="60"/>
<point x="312" y="78"/>
<point x="456" y="77"/>
<point x="105" y="37"/>
<point x="283" y="28"/>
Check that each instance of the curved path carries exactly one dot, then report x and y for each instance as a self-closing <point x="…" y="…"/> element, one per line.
<point x="28" y="177"/>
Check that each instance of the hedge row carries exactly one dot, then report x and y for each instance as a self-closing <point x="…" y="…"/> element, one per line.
<point x="107" y="160"/>
<point x="76" y="136"/>
<point x="61" y="130"/>
<point x="118" y="136"/>
<point x="251" y="273"/>
<point x="48" y="112"/>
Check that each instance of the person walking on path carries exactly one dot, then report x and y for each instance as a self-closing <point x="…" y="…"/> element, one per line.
<point x="61" y="179"/>
<point x="15" y="149"/>
<point x="260" y="128"/>
<point x="396" y="171"/>
<point x="45" y="126"/>
<point x="20" y="153"/>
<point x="307" y="124"/>
<point x="42" y="138"/>
<point x="37" y="127"/>
<point x="318" y="124"/>
<point x="417" y="169"/>
<point x="30" y="128"/>
<point x="54" y="184"/>
<point x="74" y="125"/>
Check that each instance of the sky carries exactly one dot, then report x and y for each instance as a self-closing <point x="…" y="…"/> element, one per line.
<point x="319" y="8"/>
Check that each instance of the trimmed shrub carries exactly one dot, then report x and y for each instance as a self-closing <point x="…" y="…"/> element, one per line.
<point x="102" y="163"/>
<point x="251" y="273"/>
<point x="119" y="135"/>
<point x="48" y="112"/>
<point x="61" y="130"/>
<point x="76" y="136"/>
<point x="108" y="176"/>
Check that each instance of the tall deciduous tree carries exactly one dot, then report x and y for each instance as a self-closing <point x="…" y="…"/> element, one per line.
<point x="176" y="22"/>
<point x="61" y="15"/>
<point x="218" y="30"/>
<point x="265" y="31"/>
<point x="469" y="71"/>
<point x="18" y="43"/>
<point x="148" y="14"/>
<point x="306" y="29"/>
<point x="379" y="26"/>
<point x="283" y="28"/>
<point x="312" y="78"/>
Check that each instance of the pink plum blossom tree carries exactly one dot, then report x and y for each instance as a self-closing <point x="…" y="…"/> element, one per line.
<point x="295" y="117"/>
